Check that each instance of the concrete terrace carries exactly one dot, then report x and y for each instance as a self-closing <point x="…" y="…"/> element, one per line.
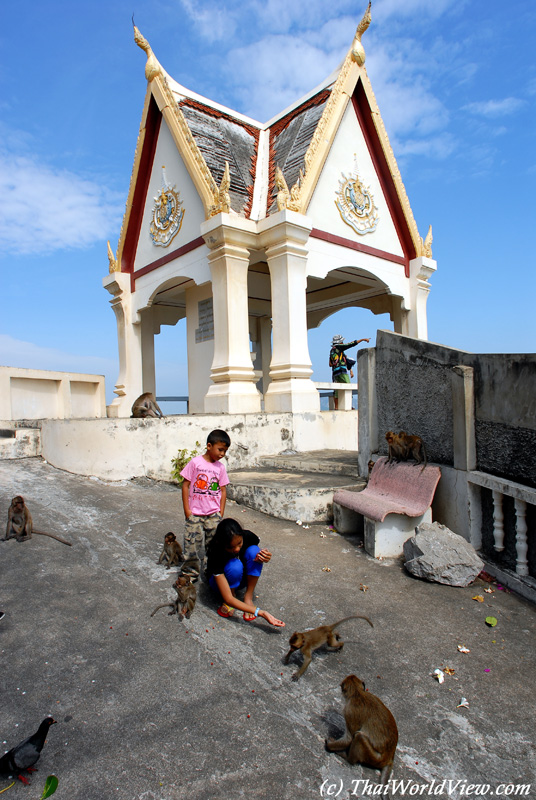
<point x="153" y="709"/>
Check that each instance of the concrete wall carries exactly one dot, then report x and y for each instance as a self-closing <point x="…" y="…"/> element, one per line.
<point x="474" y="412"/>
<point x="39" y="394"/>
<point x="117" y="449"/>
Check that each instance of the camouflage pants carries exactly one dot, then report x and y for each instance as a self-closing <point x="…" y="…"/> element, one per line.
<point x="198" y="534"/>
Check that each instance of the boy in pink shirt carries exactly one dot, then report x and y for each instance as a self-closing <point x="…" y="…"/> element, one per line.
<point x="204" y="493"/>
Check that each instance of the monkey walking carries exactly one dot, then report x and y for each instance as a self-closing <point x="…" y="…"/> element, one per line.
<point x="371" y="733"/>
<point x="184" y="603"/>
<point x="146" y="406"/>
<point x="20" y="523"/>
<point x="403" y="446"/>
<point x="171" y="551"/>
<point x="309" y="641"/>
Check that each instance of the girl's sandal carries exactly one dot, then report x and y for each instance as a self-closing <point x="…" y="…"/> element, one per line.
<point x="249" y="616"/>
<point x="225" y="611"/>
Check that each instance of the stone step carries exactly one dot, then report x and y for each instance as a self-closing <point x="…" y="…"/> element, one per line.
<point x="290" y="493"/>
<point x="334" y="462"/>
<point x="19" y="442"/>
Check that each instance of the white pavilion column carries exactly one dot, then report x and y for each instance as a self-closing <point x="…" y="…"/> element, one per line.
<point x="284" y="236"/>
<point x="129" y="340"/>
<point x="420" y="270"/>
<point x="233" y="390"/>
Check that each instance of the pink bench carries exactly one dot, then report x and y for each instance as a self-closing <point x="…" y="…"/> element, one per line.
<point x="398" y="497"/>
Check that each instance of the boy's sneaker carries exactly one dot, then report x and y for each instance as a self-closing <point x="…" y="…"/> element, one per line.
<point x="2" y="614"/>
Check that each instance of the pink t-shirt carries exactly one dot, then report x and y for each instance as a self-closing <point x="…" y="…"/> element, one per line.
<point x="206" y="479"/>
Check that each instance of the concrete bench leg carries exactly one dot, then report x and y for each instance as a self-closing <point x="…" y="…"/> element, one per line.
<point x="386" y="539"/>
<point x="347" y="521"/>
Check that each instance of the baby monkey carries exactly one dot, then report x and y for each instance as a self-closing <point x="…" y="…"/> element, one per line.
<point x="184" y="603"/>
<point x="171" y="551"/>
<point x="309" y="641"/>
<point x="371" y="733"/>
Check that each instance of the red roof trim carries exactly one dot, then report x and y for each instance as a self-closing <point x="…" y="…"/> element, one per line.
<point x="364" y="116"/>
<point x="181" y="251"/>
<point x="361" y="248"/>
<point x="152" y="127"/>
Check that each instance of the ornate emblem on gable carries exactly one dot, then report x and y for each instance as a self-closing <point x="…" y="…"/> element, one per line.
<point x="356" y="204"/>
<point x="167" y="214"/>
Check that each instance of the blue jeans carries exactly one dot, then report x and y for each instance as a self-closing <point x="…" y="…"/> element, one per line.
<point x="234" y="569"/>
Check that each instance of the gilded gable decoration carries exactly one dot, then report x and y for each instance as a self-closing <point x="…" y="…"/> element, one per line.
<point x="222" y="199"/>
<point x="426" y="249"/>
<point x="167" y="214"/>
<point x="356" y="203"/>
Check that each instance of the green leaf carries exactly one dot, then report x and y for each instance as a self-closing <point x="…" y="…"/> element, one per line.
<point x="491" y="621"/>
<point x="51" y="785"/>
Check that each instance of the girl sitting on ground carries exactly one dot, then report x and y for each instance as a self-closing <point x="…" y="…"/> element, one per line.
<point x="234" y="562"/>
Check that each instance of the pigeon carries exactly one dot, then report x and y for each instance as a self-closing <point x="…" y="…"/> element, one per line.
<point x="24" y="755"/>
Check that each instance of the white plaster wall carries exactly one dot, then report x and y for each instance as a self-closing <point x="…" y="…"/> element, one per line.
<point x="38" y="394"/>
<point x="322" y="209"/>
<point x="119" y="449"/>
<point x="177" y="175"/>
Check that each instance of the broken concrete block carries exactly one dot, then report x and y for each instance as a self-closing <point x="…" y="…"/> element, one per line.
<point x="437" y="554"/>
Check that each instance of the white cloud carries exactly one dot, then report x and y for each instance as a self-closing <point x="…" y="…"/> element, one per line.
<point x="43" y="209"/>
<point x="495" y="108"/>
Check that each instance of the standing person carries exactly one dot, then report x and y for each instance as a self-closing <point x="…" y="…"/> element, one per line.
<point x="235" y="561"/>
<point x="340" y="363"/>
<point x="204" y="493"/>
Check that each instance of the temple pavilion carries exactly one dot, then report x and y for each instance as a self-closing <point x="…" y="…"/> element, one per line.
<point x="256" y="233"/>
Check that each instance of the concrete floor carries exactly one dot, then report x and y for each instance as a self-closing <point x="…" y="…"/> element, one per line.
<point x="156" y="709"/>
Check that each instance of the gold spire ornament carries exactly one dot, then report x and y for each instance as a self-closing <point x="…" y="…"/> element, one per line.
<point x="283" y="194"/>
<point x="152" y="66"/>
<point x="426" y="249"/>
<point x="358" y="51"/>
<point x="113" y="265"/>
<point x="222" y="198"/>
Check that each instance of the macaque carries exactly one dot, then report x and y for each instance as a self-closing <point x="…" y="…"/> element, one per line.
<point x="371" y="733"/>
<point x="20" y="524"/>
<point x="171" y="551"/>
<point x="403" y="446"/>
<point x="19" y="520"/>
<point x="397" y="448"/>
<point x="146" y="406"/>
<point x="414" y="447"/>
<point x="309" y="641"/>
<point x="184" y="603"/>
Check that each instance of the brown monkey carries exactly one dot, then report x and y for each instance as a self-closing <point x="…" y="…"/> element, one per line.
<point x="371" y="732"/>
<point x="19" y="520"/>
<point x="146" y="406"/>
<point x="397" y="448"/>
<point x="171" y="551"/>
<point x="20" y="524"/>
<point x="413" y="447"/>
<point x="184" y="603"/>
<point x="309" y="641"/>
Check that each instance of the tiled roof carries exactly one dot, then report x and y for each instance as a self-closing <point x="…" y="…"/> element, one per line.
<point x="222" y="138"/>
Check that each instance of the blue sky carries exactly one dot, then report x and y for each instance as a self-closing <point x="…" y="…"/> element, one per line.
<point x="456" y="84"/>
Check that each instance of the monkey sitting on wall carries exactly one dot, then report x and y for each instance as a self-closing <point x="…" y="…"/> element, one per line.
<point x="371" y="733"/>
<point x="145" y="406"/>
<point x="20" y="523"/>
<point x="309" y="641"/>
<point x="171" y="551"/>
<point x="184" y="603"/>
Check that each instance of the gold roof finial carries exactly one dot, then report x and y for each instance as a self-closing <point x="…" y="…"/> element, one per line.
<point x="427" y="244"/>
<point x="152" y="66"/>
<point x="113" y="265"/>
<point x="358" y="51"/>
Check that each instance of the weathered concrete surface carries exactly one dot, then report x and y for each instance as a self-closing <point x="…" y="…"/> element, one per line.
<point x="154" y="709"/>
<point x="435" y="553"/>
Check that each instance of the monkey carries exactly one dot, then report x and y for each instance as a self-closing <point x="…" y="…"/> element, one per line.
<point x="414" y="447"/>
<point x="171" y="551"/>
<point x="397" y="448"/>
<point x="184" y="603"/>
<point x="371" y="733"/>
<point x="402" y="446"/>
<point x="370" y="466"/>
<point x="309" y="641"/>
<point x="20" y="523"/>
<point x="146" y="406"/>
